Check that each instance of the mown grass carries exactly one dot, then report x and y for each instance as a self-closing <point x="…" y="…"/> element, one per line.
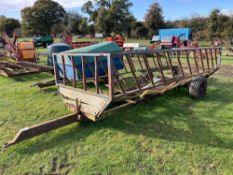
<point x="169" y="134"/>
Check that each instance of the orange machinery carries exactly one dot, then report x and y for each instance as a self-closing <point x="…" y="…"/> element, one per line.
<point x="20" y="51"/>
<point x="26" y="51"/>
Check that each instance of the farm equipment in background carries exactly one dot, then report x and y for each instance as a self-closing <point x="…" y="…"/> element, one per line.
<point x="174" y="38"/>
<point x="68" y="39"/>
<point x="19" y="51"/>
<point x="117" y="39"/>
<point x="99" y="79"/>
<point x="42" y="40"/>
<point x="24" y="55"/>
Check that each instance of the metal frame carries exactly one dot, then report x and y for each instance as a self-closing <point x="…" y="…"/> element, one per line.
<point x="162" y="71"/>
<point x="150" y="73"/>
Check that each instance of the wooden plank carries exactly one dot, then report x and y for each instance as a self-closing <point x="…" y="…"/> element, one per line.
<point x="94" y="100"/>
<point x="85" y="108"/>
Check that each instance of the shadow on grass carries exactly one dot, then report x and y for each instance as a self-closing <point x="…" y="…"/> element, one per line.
<point x="159" y="117"/>
<point x="33" y="77"/>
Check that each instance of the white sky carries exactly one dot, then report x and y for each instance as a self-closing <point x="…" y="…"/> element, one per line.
<point x="19" y="4"/>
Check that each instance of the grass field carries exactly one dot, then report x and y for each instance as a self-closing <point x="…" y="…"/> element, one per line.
<point x="169" y="134"/>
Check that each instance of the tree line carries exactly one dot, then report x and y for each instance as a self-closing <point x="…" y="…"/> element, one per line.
<point x="112" y="17"/>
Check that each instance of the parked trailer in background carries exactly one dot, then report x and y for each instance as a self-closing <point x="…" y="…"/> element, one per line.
<point x="175" y="38"/>
<point x="92" y="84"/>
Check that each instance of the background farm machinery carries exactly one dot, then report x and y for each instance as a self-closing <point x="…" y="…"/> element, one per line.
<point x="174" y="38"/>
<point x="23" y="57"/>
<point x="99" y="79"/>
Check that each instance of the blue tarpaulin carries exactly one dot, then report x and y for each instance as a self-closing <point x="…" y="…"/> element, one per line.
<point x="183" y="33"/>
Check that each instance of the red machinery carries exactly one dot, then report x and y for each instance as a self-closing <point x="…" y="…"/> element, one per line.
<point x="118" y="39"/>
<point x="77" y="44"/>
<point x="176" y="42"/>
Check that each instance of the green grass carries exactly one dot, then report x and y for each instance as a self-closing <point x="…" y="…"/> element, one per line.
<point x="169" y="134"/>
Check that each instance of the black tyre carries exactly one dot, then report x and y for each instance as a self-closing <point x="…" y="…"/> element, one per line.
<point x="198" y="87"/>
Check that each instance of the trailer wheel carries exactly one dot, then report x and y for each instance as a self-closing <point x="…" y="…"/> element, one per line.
<point x="198" y="87"/>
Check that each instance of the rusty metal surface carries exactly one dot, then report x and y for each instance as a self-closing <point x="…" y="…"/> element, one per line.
<point x="144" y="74"/>
<point x="153" y="70"/>
<point x="46" y="127"/>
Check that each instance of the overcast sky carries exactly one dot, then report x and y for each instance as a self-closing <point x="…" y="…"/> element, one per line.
<point x="173" y="9"/>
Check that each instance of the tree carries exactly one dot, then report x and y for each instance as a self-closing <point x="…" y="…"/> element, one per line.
<point x="72" y="22"/>
<point x="139" y="30"/>
<point x="154" y="19"/>
<point x="215" y="24"/>
<point x="42" y="16"/>
<point x="109" y="16"/>
<point x="227" y="32"/>
<point x="8" y="25"/>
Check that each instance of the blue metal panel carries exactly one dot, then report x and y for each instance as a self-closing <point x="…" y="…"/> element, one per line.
<point x="88" y="72"/>
<point x="182" y="33"/>
<point x="90" y="61"/>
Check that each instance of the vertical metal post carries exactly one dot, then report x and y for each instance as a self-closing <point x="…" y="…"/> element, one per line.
<point x="138" y="56"/>
<point x="84" y="73"/>
<point x="96" y="76"/>
<point x="170" y="63"/>
<point x="74" y="71"/>
<point x="166" y="59"/>
<point x="202" y="63"/>
<point x="64" y="69"/>
<point x="195" y="59"/>
<point x="133" y="73"/>
<point x="212" y="58"/>
<point x="160" y="66"/>
<point x="187" y="59"/>
<point x="150" y="75"/>
<point x="56" y="72"/>
<point x="207" y="58"/>
<point x="179" y="62"/>
<point x="216" y="57"/>
<point x="110" y="77"/>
